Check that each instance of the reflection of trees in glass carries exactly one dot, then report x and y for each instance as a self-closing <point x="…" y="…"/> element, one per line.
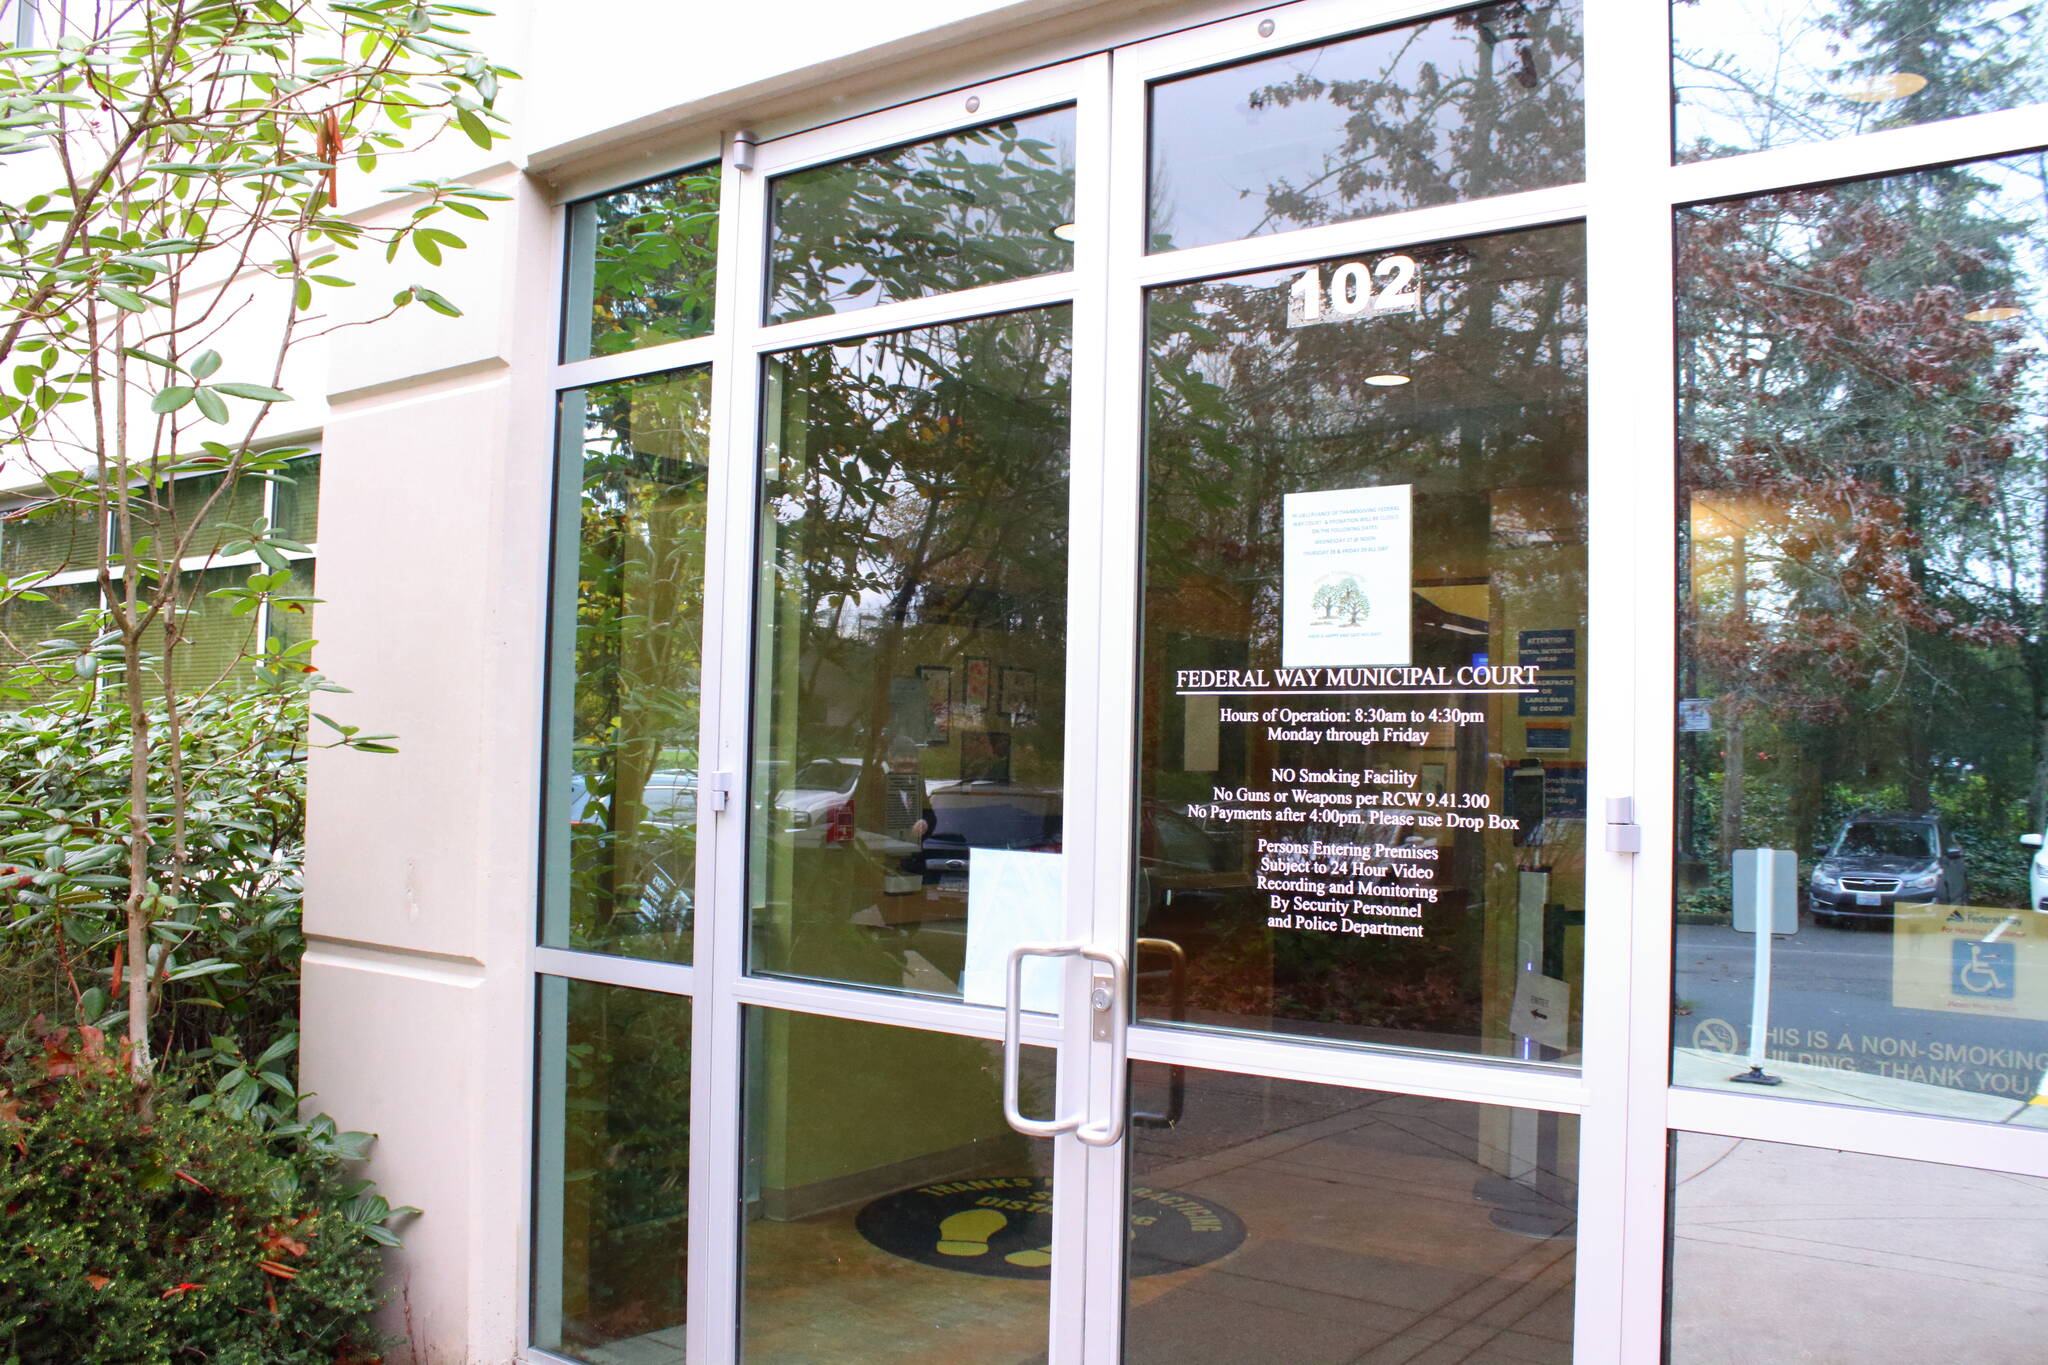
<point x="971" y="208"/>
<point x="923" y="483"/>
<point x="1458" y="107"/>
<point x="916" y="516"/>
<point x="1861" y="419"/>
<point x="651" y="253"/>
<point x="1245" y="408"/>
<point x="624" y="1169"/>
<point x="639" y="617"/>
<point x="1764" y="73"/>
<point x="1490" y="434"/>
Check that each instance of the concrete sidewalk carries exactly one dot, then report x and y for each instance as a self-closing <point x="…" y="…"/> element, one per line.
<point x="1793" y="1254"/>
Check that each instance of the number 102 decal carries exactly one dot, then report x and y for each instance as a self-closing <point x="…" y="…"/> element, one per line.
<point x="1389" y="285"/>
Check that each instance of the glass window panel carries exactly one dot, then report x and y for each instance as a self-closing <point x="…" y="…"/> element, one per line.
<point x="1788" y="1253"/>
<point x="1482" y="102"/>
<point x="611" y="1195"/>
<point x="642" y="265"/>
<point x="911" y="653"/>
<point x="296" y="512"/>
<point x="629" y="614"/>
<point x="1362" y="757"/>
<point x="1862" y="422"/>
<point x="27" y="624"/>
<point x="1275" y="1220"/>
<point x="977" y="207"/>
<point x="192" y="517"/>
<point x="292" y="622"/>
<point x="1753" y="74"/>
<point x="213" y="639"/>
<point x="59" y="536"/>
<point x="891" y="1214"/>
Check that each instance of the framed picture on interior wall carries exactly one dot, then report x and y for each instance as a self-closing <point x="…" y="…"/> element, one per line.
<point x="976" y="689"/>
<point x="1019" y="703"/>
<point x="984" y="757"/>
<point x="938" y="702"/>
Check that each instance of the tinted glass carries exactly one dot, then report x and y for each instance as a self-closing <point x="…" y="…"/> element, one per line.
<point x="628" y="629"/>
<point x="1786" y="1253"/>
<point x="1482" y="102"/>
<point x="977" y="207"/>
<point x="184" y="518"/>
<point x="214" y="641"/>
<point x="1752" y="74"/>
<point x="642" y="265"/>
<point x="291" y="611"/>
<point x="891" y="1214"/>
<point x="296" y="512"/>
<point x="51" y="538"/>
<point x="907" y="785"/>
<point x="1862" y="418"/>
<point x="1361" y="806"/>
<point x="27" y="622"/>
<point x="611" y="1190"/>
<point x="1276" y="1221"/>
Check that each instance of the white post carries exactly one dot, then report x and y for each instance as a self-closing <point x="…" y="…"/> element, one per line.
<point x="1760" y="988"/>
<point x="1765" y="893"/>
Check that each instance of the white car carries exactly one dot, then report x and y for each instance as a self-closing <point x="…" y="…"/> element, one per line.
<point x="2037" y="872"/>
<point x="817" y="805"/>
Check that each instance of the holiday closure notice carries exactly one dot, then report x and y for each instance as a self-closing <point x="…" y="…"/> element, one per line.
<point x="1350" y="848"/>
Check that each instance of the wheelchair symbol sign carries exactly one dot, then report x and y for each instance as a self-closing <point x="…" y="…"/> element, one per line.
<point x="1981" y="971"/>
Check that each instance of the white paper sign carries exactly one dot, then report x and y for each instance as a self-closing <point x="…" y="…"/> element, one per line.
<point x="1346" y="577"/>
<point x="1013" y="897"/>
<point x="1542" y="1009"/>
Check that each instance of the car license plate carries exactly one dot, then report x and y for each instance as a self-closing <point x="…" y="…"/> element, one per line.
<point x="1869" y="898"/>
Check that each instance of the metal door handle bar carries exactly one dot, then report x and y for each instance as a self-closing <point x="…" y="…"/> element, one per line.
<point x="1177" y="1011"/>
<point x="1013" y="1040"/>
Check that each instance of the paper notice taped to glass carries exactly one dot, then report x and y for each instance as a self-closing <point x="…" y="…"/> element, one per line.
<point x="1013" y="897"/>
<point x="1346" y="577"/>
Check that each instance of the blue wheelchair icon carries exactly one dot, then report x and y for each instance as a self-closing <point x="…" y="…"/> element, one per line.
<point x="1981" y="971"/>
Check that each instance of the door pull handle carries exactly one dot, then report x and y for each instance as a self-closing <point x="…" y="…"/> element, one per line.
<point x="1013" y="1041"/>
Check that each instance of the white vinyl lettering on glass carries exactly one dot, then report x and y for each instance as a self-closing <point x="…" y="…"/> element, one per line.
<point x="1355" y="290"/>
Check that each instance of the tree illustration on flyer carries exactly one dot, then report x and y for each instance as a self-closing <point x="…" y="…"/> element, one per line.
<point x="1346" y="576"/>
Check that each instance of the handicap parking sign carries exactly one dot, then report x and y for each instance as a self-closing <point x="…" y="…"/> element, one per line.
<point x="1981" y="971"/>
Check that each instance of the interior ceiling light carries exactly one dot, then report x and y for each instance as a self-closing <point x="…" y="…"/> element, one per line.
<point x="1994" y="312"/>
<point x="1884" y="89"/>
<point x="1386" y="381"/>
<point x="1065" y="232"/>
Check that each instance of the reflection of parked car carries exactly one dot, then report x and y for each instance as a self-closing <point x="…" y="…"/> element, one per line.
<point x="670" y="797"/>
<point x="1879" y="863"/>
<point x="971" y="815"/>
<point x="817" y="805"/>
<point x="2037" y="872"/>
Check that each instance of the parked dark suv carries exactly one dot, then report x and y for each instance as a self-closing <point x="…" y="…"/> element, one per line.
<point x="1879" y="864"/>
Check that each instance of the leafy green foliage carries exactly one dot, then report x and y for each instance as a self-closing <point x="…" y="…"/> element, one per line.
<point x="223" y="870"/>
<point x="137" y="1228"/>
<point x="197" y="150"/>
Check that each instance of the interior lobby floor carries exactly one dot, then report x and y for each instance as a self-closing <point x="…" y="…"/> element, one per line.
<point x="1374" y="1234"/>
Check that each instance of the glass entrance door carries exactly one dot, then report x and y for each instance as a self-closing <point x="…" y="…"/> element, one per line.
<point x="923" y="370"/>
<point x="1164" y="844"/>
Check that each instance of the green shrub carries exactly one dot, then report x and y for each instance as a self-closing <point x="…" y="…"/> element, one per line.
<point x="135" y="1227"/>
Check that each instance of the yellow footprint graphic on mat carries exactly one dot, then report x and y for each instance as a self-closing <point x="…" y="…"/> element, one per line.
<point x="1031" y="1260"/>
<point x="967" y="1233"/>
